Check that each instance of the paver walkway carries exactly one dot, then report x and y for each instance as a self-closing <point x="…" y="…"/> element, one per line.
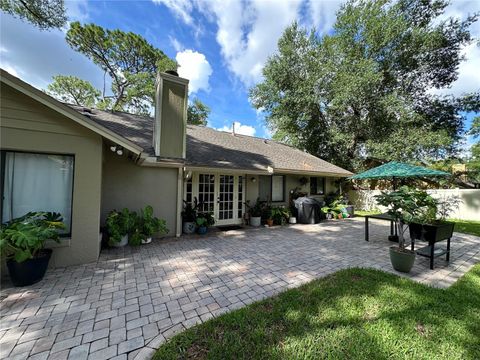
<point x="126" y="304"/>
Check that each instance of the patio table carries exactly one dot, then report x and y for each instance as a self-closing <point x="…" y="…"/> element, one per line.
<point x="385" y="216"/>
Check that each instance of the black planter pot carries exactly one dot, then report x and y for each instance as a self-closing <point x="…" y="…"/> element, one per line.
<point x="431" y="233"/>
<point x="29" y="271"/>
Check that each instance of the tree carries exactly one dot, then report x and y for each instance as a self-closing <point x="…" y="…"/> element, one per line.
<point x="73" y="90"/>
<point x="365" y="89"/>
<point x="197" y="113"/>
<point x="130" y="61"/>
<point x="45" y="14"/>
<point x="475" y="127"/>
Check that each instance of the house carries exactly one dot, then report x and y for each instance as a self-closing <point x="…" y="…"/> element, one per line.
<point x="85" y="162"/>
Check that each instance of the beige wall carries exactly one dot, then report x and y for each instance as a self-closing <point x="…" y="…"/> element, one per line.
<point x="468" y="201"/>
<point x="291" y="182"/>
<point x="126" y="184"/>
<point x="27" y="125"/>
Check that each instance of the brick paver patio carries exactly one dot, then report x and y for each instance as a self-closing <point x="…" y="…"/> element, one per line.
<point x="126" y="304"/>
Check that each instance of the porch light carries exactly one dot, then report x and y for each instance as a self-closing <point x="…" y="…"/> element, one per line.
<point x="113" y="148"/>
<point x="120" y="151"/>
<point x="253" y="179"/>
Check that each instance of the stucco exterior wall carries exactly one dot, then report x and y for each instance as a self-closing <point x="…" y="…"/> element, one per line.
<point x="291" y="182"/>
<point x="27" y="125"/>
<point x="126" y="184"/>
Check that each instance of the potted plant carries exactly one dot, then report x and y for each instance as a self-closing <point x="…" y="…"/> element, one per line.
<point x="204" y="221"/>
<point x="292" y="219"/>
<point x="119" y="225"/>
<point x="150" y="225"/>
<point x="279" y="215"/>
<point x="404" y="205"/>
<point x="189" y="216"/>
<point x="255" y="212"/>
<point x="23" y="239"/>
<point x="432" y="225"/>
<point x="269" y="221"/>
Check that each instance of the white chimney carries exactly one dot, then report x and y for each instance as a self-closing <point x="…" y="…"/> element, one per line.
<point x="169" y="130"/>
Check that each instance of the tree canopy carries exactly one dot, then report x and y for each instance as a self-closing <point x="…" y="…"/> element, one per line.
<point x="45" y="14"/>
<point x="73" y="90"/>
<point x="131" y="62"/>
<point x="197" y="113"/>
<point x="367" y="89"/>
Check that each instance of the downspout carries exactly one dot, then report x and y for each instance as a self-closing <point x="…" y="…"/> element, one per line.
<point x="178" y="227"/>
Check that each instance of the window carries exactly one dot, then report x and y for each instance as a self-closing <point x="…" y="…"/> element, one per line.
<point x="278" y="188"/>
<point x="317" y="186"/>
<point x="37" y="182"/>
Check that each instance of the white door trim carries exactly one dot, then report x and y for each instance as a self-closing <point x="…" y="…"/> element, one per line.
<point x="195" y="194"/>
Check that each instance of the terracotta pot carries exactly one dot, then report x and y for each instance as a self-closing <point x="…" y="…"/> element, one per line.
<point x="270" y="222"/>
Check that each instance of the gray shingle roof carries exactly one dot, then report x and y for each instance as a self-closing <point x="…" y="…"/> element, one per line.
<point x="207" y="147"/>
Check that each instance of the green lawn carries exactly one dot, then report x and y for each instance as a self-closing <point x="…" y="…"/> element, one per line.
<point x="366" y="212"/>
<point x="467" y="227"/>
<point x="355" y="313"/>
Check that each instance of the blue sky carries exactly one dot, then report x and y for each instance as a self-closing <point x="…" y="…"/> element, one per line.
<point x="220" y="45"/>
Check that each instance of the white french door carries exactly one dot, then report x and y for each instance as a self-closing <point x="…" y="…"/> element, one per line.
<point x="220" y="194"/>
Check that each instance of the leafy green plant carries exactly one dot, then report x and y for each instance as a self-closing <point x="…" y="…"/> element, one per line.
<point x="205" y="219"/>
<point x="22" y="238"/>
<point x="256" y="209"/>
<point x="120" y="224"/>
<point x="151" y="224"/>
<point x="279" y="214"/>
<point x="189" y="213"/>
<point x="407" y="205"/>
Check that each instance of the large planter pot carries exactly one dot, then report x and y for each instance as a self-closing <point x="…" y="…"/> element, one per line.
<point x="432" y="233"/>
<point x="189" y="227"/>
<point x="292" y="220"/>
<point x="402" y="260"/>
<point x="202" y="230"/>
<point x="123" y="242"/>
<point x="29" y="271"/>
<point x="255" y="220"/>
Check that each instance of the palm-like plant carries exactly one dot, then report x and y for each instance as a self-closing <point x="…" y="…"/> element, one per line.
<point x="22" y="238"/>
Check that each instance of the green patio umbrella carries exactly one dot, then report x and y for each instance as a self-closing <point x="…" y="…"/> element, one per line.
<point x="396" y="170"/>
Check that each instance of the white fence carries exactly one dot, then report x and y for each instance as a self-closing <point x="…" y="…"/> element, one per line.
<point x="468" y="201"/>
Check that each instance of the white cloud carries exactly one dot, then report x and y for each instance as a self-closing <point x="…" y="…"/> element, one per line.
<point x="195" y="67"/>
<point x="240" y="129"/>
<point x="181" y="8"/>
<point x="247" y="31"/>
<point x="177" y="45"/>
<point x="323" y="14"/>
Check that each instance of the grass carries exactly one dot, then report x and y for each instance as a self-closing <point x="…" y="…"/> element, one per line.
<point x="366" y="212"/>
<point x="467" y="227"/>
<point x="462" y="226"/>
<point x="354" y="313"/>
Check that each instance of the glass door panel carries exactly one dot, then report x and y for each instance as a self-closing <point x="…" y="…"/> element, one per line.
<point x="226" y="197"/>
<point x="206" y="193"/>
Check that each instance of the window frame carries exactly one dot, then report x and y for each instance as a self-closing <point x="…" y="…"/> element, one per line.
<point x="3" y="153"/>
<point x="283" y="189"/>
<point x="316" y="185"/>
